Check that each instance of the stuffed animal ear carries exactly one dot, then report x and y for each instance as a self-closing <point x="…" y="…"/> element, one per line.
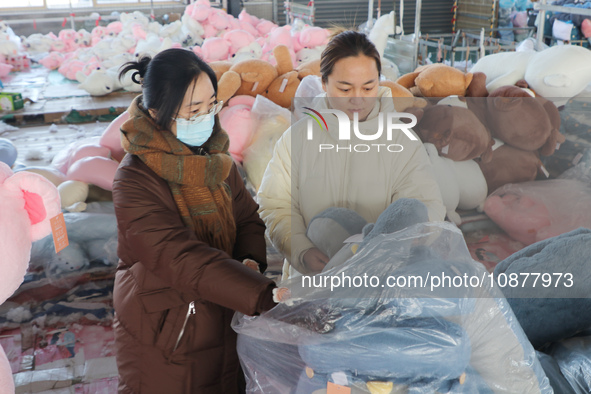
<point x="408" y="80"/>
<point x="228" y="84"/>
<point x="283" y="58"/>
<point x="42" y="201"/>
<point x="367" y="229"/>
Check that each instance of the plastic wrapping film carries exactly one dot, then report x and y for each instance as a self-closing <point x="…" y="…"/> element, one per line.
<point x="533" y="211"/>
<point x="573" y="356"/>
<point x="388" y="339"/>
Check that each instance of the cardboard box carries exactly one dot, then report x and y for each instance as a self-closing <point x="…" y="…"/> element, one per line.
<point x="11" y="101"/>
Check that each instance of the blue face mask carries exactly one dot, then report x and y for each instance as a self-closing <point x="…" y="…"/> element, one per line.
<point x="195" y="132"/>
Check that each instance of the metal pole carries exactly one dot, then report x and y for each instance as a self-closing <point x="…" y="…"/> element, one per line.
<point x="72" y="17"/>
<point x="417" y="32"/>
<point x="370" y="14"/>
<point x="541" y="23"/>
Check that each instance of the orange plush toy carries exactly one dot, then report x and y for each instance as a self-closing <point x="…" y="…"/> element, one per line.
<point x="436" y="80"/>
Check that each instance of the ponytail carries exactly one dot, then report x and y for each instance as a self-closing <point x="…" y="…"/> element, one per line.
<point x="140" y="66"/>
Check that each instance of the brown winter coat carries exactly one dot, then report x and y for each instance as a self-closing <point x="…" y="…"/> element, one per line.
<point x="163" y="267"/>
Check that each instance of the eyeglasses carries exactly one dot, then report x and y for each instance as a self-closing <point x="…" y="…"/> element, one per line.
<point x="200" y="117"/>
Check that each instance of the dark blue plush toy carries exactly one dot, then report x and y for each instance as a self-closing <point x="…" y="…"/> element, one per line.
<point x="553" y="309"/>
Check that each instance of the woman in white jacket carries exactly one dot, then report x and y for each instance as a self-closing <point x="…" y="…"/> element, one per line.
<point x="315" y="166"/>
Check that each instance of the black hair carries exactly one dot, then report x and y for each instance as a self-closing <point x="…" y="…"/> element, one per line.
<point x="165" y="80"/>
<point x="348" y="43"/>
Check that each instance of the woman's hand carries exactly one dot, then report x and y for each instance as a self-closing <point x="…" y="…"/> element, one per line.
<point x="315" y="260"/>
<point x="253" y="265"/>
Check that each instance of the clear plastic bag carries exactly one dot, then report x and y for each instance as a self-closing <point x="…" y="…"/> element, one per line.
<point x="573" y="356"/>
<point x="271" y="121"/>
<point x="406" y="338"/>
<point x="533" y="211"/>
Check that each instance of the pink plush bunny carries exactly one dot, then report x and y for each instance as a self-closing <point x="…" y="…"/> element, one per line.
<point x="29" y="201"/>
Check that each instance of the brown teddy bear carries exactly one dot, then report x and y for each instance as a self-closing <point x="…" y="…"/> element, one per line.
<point x="436" y="80"/>
<point x="403" y="98"/>
<point x="256" y="75"/>
<point x="520" y="120"/>
<point x="283" y="88"/>
<point x="509" y="165"/>
<point x="456" y="132"/>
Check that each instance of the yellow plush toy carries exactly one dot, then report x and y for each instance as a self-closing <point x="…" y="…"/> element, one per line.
<point x="403" y="98"/>
<point x="309" y="68"/>
<point x="436" y="80"/>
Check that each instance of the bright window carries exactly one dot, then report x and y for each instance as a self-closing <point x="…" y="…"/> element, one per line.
<point x="20" y="3"/>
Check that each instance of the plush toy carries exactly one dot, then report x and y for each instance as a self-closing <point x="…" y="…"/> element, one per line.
<point x="29" y="201"/>
<point x="99" y="82"/>
<point x="237" y="122"/>
<point x="92" y="238"/>
<point x="111" y="137"/>
<point x="271" y="121"/>
<point x="282" y="90"/>
<point x="520" y="120"/>
<point x="228" y="85"/>
<point x="402" y="97"/>
<point x="308" y="68"/>
<point x="538" y="210"/>
<point x="559" y="72"/>
<point x="503" y="68"/>
<point x="255" y="75"/>
<point x="215" y="49"/>
<point x="461" y="183"/>
<point x="456" y="132"/>
<point x="509" y="165"/>
<point x="8" y="152"/>
<point x="436" y="80"/>
<point x="551" y="311"/>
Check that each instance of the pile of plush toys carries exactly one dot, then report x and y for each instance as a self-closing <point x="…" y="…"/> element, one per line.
<point x="482" y="129"/>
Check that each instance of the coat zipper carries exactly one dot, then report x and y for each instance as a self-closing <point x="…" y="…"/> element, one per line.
<point x="190" y="311"/>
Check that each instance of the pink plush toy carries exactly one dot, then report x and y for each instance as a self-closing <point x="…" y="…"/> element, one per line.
<point x="246" y="17"/>
<point x="4" y="69"/>
<point x="111" y="137"/>
<point x="96" y="170"/>
<point x="214" y="49"/>
<point x="29" y="201"/>
<point x="238" y="39"/>
<point x="520" y="216"/>
<point x="68" y="36"/>
<point x="52" y="61"/>
<point x="237" y="122"/>
<point x="264" y="27"/>
<point x="248" y="27"/>
<point x="312" y="37"/>
<point x="586" y="28"/>
<point x="115" y="28"/>
<point x="218" y="19"/>
<point x="97" y="34"/>
<point x="533" y="211"/>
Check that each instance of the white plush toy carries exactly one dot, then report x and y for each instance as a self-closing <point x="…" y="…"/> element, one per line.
<point x="379" y="33"/>
<point x="559" y="72"/>
<point x="99" y="82"/>
<point x="461" y="183"/>
<point x="504" y="68"/>
<point x="36" y="43"/>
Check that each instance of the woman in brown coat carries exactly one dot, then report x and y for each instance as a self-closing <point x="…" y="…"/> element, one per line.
<point x="186" y="223"/>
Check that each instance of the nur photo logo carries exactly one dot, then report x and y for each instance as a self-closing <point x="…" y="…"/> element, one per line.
<point x="388" y="123"/>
